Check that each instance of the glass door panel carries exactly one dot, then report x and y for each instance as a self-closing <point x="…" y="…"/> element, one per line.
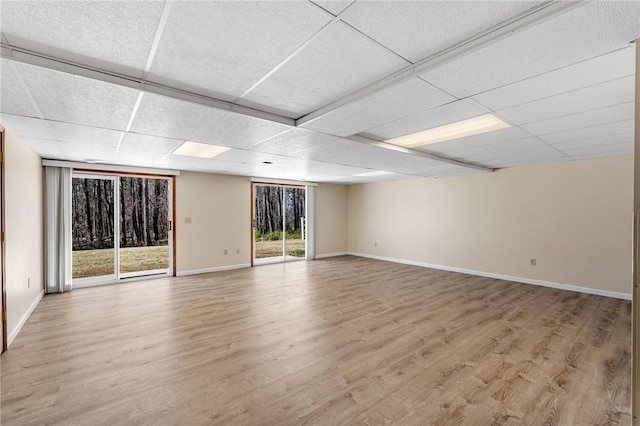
<point x="144" y="226"/>
<point x="268" y="223"/>
<point x="295" y="226"/>
<point x="93" y="237"/>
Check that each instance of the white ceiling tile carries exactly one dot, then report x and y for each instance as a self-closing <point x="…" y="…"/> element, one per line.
<point x="332" y="148"/>
<point x="525" y="157"/>
<point x="417" y="29"/>
<point x="28" y="127"/>
<point x="45" y="148"/>
<point x="601" y="149"/>
<point x="78" y="100"/>
<point x="611" y="114"/>
<point x="593" y="71"/>
<point x="390" y="104"/>
<point x="335" y="7"/>
<point x="292" y="142"/>
<point x="616" y="153"/>
<point x="146" y="143"/>
<point x="215" y="165"/>
<point x="223" y="47"/>
<point x="447" y="170"/>
<point x="108" y="34"/>
<point x="536" y="151"/>
<point x="362" y="155"/>
<point x="583" y="32"/>
<point x="172" y="118"/>
<point x="529" y="161"/>
<point x="273" y="171"/>
<point x="242" y="156"/>
<point x="180" y="162"/>
<point x="333" y="169"/>
<point x="83" y="152"/>
<point x="339" y="61"/>
<point x="499" y="147"/>
<point x="599" y="96"/>
<point x="240" y="131"/>
<point x="590" y="132"/>
<point x="596" y="141"/>
<point x="470" y="142"/>
<point x="449" y="113"/>
<point x="134" y="157"/>
<point x="14" y="99"/>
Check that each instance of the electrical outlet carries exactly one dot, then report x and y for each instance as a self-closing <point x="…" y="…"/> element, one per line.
<point x="532" y="262"/>
<point x="226" y="252"/>
<point x="375" y="244"/>
<point x="187" y="220"/>
<point x="237" y="251"/>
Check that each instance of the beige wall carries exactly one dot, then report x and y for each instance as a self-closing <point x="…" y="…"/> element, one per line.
<point x="575" y="218"/>
<point x="220" y="211"/>
<point x="331" y="219"/>
<point x="24" y="229"/>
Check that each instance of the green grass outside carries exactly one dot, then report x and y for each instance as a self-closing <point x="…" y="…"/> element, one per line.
<point x="94" y="263"/>
<point x="295" y="247"/>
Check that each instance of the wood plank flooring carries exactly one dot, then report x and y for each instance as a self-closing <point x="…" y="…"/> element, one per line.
<point x="336" y="341"/>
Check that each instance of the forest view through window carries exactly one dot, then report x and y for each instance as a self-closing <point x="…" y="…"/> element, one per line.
<point x="140" y="213"/>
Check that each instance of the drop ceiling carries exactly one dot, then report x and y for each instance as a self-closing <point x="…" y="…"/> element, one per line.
<point x="306" y="90"/>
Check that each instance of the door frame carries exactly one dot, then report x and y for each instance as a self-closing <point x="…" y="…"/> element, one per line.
<point x="118" y="277"/>
<point x="253" y="213"/>
<point x="5" y="340"/>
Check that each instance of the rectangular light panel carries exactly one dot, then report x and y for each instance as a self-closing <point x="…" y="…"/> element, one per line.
<point x="200" y="150"/>
<point x="473" y="126"/>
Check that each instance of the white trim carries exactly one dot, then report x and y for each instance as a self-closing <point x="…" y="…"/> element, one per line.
<point x="260" y="180"/>
<point x="12" y="336"/>
<point x="109" y="167"/>
<point x="568" y="287"/>
<point x="214" y="269"/>
<point x="340" y="253"/>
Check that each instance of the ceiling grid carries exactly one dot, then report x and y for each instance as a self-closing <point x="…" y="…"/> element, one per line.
<point x="317" y="88"/>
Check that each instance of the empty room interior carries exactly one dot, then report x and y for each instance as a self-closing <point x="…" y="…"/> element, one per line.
<point x="318" y="212"/>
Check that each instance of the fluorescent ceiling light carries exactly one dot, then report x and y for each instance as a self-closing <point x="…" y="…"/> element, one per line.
<point x="373" y="174"/>
<point x="200" y="150"/>
<point x="473" y="126"/>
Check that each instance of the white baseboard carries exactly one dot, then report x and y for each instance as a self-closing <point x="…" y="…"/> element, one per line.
<point x="324" y="256"/>
<point x="579" y="289"/>
<point x="215" y="269"/>
<point x="14" y="333"/>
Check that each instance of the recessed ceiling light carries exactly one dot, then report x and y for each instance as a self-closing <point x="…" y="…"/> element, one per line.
<point x="200" y="150"/>
<point x="473" y="126"/>
<point x="373" y="174"/>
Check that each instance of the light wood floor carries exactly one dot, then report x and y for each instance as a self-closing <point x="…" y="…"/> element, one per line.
<point x="334" y="341"/>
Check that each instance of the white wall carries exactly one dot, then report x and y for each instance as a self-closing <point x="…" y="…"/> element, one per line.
<point x="24" y="231"/>
<point x="575" y="218"/>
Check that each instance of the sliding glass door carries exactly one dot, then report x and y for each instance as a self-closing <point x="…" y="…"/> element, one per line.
<point x="279" y="223"/>
<point x="295" y="223"/>
<point x="121" y="227"/>
<point x="268" y="229"/>
<point x="144" y="226"/>
<point x="93" y="228"/>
